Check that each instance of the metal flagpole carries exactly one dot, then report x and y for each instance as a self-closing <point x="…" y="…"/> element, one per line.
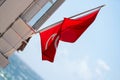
<point x="99" y="7"/>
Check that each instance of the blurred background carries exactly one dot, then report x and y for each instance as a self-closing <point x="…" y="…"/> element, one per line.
<point x="94" y="56"/>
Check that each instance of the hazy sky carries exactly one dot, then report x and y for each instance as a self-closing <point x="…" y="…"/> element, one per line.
<point x="94" y="56"/>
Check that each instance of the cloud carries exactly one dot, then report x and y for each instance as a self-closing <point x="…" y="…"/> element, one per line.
<point x="101" y="68"/>
<point x="76" y="69"/>
<point x="85" y="70"/>
<point x="103" y="65"/>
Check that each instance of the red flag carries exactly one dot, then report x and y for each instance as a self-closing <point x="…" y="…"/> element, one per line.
<point x="49" y="42"/>
<point x="69" y="31"/>
<point x="72" y="29"/>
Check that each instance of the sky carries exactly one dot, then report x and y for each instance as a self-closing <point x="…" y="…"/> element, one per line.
<point x="94" y="56"/>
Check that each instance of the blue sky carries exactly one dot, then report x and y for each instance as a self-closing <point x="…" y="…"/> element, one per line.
<point x="94" y="56"/>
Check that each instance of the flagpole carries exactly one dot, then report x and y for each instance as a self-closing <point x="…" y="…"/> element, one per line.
<point x="99" y="7"/>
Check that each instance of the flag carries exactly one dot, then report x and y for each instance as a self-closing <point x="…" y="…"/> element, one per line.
<point x="69" y="30"/>
<point x="49" y="42"/>
<point x="72" y="29"/>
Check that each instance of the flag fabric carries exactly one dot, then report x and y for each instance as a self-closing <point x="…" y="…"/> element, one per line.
<point x="69" y="30"/>
<point x="49" y="42"/>
<point x="72" y="29"/>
